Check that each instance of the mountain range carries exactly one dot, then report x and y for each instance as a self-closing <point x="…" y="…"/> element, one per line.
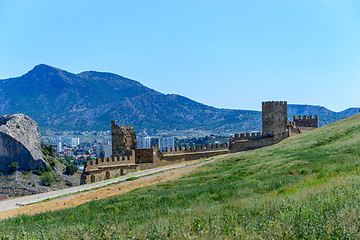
<point x="57" y="99"/>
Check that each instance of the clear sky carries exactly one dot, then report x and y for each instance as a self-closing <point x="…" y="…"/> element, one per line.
<point x="230" y="54"/>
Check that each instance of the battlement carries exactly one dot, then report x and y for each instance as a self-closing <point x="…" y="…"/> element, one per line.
<point x="314" y="117"/>
<point x="251" y="136"/>
<point x="197" y="148"/>
<point x="100" y="163"/>
<point x="309" y="121"/>
<point x="274" y="103"/>
<point x="291" y="123"/>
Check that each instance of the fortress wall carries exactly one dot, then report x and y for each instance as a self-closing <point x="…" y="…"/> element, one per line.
<point x="306" y="129"/>
<point x="127" y="157"/>
<point x="166" y="158"/>
<point x="306" y="121"/>
<point x="107" y="172"/>
<point x="237" y="145"/>
<point x="251" y="136"/>
<point x="246" y="145"/>
<point x="149" y="158"/>
<point x="108" y="162"/>
<point x="145" y="155"/>
<point x="105" y="168"/>
<point x="197" y="148"/>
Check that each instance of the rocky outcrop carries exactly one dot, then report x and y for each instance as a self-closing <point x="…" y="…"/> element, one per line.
<point x="20" y="141"/>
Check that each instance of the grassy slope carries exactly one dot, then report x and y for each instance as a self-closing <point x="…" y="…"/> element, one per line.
<point x="305" y="187"/>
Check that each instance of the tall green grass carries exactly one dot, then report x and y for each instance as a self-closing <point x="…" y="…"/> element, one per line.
<point x="307" y="187"/>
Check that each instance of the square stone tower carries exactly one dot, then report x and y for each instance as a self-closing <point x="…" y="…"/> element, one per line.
<point x="274" y="117"/>
<point x="123" y="140"/>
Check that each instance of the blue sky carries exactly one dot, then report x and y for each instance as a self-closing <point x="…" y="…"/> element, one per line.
<point x="230" y="54"/>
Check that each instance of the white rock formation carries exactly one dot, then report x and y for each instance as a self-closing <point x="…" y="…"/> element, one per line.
<point x="20" y="141"/>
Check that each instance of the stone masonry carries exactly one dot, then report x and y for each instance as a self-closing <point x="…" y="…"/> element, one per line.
<point x="127" y="157"/>
<point x="275" y="128"/>
<point x="123" y="140"/>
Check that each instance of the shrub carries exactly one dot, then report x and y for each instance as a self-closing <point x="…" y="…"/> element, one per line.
<point x="26" y="174"/>
<point x="51" y="161"/>
<point x="13" y="167"/>
<point x="47" y="179"/>
<point x="48" y="150"/>
<point x="71" y="169"/>
<point x="37" y="172"/>
<point x="131" y="178"/>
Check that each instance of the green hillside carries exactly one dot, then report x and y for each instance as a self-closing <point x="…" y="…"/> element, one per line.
<point x="306" y="187"/>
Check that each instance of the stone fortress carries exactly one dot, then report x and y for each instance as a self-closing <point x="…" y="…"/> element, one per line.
<point x="275" y="128"/>
<point x="127" y="157"/>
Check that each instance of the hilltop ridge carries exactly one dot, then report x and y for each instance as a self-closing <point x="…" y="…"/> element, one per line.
<point x="89" y="100"/>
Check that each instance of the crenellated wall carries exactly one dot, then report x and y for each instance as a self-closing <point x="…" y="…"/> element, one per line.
<point x="240" y="143"/>
<point x="127" y="157"/>
<point x="153" y="157"/>
<point x="306" y="121"/>
<point x="196" y="148"/>
<point x="105" y="168"/>
<point x="251" y="136"/>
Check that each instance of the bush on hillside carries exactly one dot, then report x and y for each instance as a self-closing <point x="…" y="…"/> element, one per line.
<point x="48" y="150"/>
<point x="42" y="170"/>
<point x="51" y="161"/>
<point x="47" y="179"/>
<point x="71" y="169"/>
<point x="13" y="167"/>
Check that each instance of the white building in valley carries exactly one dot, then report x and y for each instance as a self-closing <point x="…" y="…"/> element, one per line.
<point x="166" y="142"/>
<point x="144" y="142"/>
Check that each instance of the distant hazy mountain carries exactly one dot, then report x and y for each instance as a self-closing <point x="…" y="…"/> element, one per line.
<point x="57" y="99"/>
<point x="326" y="116"/>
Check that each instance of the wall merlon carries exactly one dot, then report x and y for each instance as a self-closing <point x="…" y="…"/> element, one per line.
<point x="307" y="121"/>
<point x="272" y="103"/>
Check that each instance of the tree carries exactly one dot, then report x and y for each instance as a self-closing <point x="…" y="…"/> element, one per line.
<point x="13" y="167"/>
<point x="48" y="150"/>
<point x="47" y="179"/>
<point x="102" y="154"/>
<point x="71" y="169"/>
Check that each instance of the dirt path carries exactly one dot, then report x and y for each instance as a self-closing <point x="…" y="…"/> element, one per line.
<point x="105" y="192"/>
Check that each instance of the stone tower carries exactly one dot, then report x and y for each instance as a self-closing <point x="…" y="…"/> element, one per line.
<point x="274" y="117"/>
<point x="123" y="140"/>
